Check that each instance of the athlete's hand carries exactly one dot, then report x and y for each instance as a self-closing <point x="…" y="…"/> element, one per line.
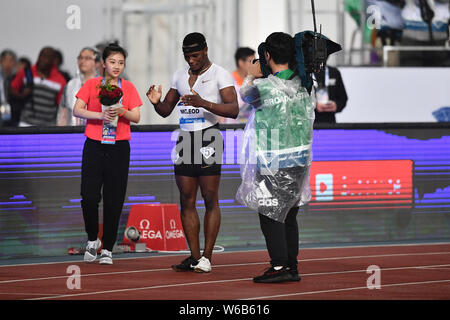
<point x="154" y="94"/>
<point x="193" y="100"/>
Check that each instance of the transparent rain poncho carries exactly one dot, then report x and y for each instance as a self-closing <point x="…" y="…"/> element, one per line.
<point x="276" y="146"/>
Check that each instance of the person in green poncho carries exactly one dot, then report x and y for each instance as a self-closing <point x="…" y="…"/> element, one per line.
<point x="282" y="122"/>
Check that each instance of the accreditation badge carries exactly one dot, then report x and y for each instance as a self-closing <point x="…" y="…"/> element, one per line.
<point x="109" y="130"/>
<point x="322" y="95"/>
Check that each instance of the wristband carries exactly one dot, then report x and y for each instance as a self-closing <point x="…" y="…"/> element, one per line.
<point x="125" y="111"/>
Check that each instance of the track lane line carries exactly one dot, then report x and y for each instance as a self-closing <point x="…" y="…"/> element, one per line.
<point x="26" y="293"/>
<point x="231" y="280"/>
<point x="243" y="251"/>
<point x="139" y="289"/>
<point x="347" y="289"/>
<point x="221" y="266"/>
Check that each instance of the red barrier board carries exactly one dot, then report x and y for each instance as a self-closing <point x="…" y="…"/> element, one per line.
<point x="159" y="226"/>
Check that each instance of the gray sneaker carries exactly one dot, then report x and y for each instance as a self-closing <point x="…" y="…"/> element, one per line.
<point x="91" y="250"/>
<point x="106" y="257"/>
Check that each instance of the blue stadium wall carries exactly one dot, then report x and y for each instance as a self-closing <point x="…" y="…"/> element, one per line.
<point x="40" y="213"/>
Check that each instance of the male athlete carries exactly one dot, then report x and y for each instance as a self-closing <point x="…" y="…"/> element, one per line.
<point x="201" y="93"/>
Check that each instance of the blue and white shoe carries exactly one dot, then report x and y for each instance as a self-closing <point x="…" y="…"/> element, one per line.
<point x="91" y="250"/>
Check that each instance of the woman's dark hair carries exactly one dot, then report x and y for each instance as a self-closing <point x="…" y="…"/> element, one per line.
<point x="113" y="48"/>
<point x="281" y="47"/>
<point x="25" y="61"/>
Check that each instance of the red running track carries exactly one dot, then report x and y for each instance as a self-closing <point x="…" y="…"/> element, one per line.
<point x="406" y="272"/>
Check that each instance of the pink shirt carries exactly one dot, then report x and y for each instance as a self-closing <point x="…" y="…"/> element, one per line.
<point x="89" y="94"/>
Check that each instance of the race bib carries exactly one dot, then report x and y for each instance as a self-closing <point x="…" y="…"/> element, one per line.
<point x="190" y="114"/>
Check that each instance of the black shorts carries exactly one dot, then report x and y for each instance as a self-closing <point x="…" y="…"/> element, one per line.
<point x="199" y="153"/>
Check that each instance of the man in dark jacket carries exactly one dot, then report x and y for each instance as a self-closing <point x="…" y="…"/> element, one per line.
<point x="330" y="93"/>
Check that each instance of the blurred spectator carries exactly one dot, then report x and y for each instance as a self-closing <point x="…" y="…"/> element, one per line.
<point x="18" y="102"/>
<point x="243" y="58"/>
<point x="389" y="28"/>
<point x="100" y="47"/>
<point x="391" y="24"/>
<point x="87" y="60"/>
<point x="330" y="94"/>
<point x="46" y="90"/>
<point x="8" y="61"/>
<point x="425" y="23"/>
<point x="59" y="61"/>
<point x="353" y="7"/>
<point x="419" y="14"/>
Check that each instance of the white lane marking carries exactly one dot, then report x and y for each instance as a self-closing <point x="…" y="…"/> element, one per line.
<point x="174" y="254"/>
<point x="227" y="281"/>
<point x="225" y="265"/>
<point x="346" y="289"/>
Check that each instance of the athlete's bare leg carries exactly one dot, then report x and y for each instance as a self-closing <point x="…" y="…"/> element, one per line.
<point x="188" y="187"/>
<point x="209" y="186"/>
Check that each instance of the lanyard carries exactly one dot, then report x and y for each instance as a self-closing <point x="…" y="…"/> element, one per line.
<point x="119" y="82"/>
<point x="327" y="77"/>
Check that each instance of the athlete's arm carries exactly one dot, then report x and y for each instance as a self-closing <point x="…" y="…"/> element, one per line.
<point x="164" y="108"/>
<point x="229" y="107"/>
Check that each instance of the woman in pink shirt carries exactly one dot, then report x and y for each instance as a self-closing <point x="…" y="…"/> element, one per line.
<point x="105" y="165"/>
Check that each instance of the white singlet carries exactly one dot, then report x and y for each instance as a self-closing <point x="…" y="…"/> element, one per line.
<point x="208" y="86"/>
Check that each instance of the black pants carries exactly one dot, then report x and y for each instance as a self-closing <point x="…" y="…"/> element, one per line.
<point x="104" y="167"/>
<point x="281" y="239"/>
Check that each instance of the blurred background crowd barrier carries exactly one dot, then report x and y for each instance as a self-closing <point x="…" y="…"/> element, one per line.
<point x="373" y="33"/>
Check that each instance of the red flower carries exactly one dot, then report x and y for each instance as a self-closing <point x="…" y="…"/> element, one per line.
<point x="109" y="94"/>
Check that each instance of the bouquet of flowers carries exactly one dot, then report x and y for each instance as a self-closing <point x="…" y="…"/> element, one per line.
<point x="109" y="94"/>
<point x="109" y="97"/>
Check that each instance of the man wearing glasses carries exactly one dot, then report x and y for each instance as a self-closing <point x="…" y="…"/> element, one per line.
<point x="86" y="70"/>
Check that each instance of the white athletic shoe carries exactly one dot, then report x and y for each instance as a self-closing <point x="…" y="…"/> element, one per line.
<point x="203" y="265"/>
<point x="106" y="257"/>
<point x="91" y="250"/>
